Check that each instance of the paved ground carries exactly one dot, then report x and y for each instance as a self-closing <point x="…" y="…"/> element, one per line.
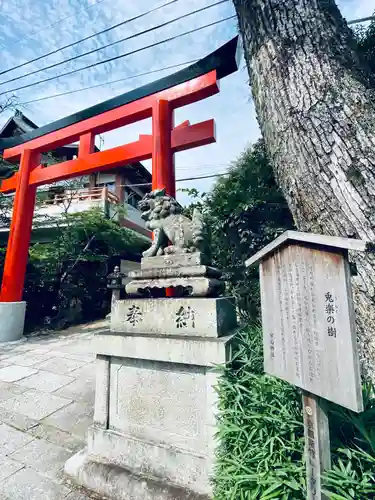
<point x="46" y="406"/>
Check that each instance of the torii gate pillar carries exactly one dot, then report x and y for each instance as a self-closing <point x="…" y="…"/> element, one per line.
<point x="163" y="173"/>
<point x="158" y="101"/>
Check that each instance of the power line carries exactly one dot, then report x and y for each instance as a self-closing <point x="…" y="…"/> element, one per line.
<point x="56" y="22"/>
<point x="110" y="82"/>
<point x="189" y="167"/>
<point x="30" y="35"/>
<point x="130" y="37"/>
<point x="362" y="20"/>
<point x="120" y="56"/>
<point x="84" y="40"/>
<point x="201" y="177"/>
<point x="120" y="79"/>
<point x="178" y="180"/>
<point x="150" y="184"/>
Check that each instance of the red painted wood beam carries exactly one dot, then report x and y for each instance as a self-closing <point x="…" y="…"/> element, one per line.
<point x="200" y="134"/>
<point x="182" y="138"/>
<point x="186" y="123"/>
<point x="181" y="95"/>
<point x="163" y="175"/>
<point x="86" y="144"/>
<point x="20" y="232"/>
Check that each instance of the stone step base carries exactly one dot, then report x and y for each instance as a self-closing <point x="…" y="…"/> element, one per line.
<point x="175" y="272"/>
<point x="117" y="483"/>
<point x="189" y="286"/>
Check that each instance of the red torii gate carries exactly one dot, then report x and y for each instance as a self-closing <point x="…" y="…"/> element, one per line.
<point x="157" y="100"/>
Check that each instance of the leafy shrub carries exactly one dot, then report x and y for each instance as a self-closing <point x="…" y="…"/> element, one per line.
<point x="353" y="451"/>
<point x="245" y="211"/>
<point x="352" y="476"/>
<point x="260" y="428"/>
<point x="65" y="281"/>
<point x="261" y="455"/>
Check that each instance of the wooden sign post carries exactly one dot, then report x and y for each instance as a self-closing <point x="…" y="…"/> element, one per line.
<point x="309" y="331"/>
<point x="317" y="444"/>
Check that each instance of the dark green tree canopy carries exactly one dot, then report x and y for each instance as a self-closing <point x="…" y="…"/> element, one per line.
<point x="244" y="212"/>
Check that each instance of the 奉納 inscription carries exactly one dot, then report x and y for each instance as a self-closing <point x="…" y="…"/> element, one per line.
<point x="134" y="315"/>
<point x="185" y="316"/>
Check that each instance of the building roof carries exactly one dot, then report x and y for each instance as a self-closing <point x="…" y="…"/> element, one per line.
<point x="19" y="124"/>
<point x="138" y="174"/>
<point x="314" y="239"/>
<point x="16" y="125"/>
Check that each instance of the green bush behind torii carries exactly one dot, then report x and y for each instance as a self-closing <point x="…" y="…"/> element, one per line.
<point x="244" y="212"/>
<point x="66" y="278"/>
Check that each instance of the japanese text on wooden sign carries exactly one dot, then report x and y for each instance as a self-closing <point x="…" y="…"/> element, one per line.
<point x="308" y="323"/>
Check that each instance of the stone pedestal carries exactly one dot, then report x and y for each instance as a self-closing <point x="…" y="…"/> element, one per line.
<point x="155" y="402"/>
<point x="12" y="320"/>
<point x="153" y="436"/>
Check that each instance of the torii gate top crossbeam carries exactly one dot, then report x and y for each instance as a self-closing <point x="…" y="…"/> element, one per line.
<point x="103" y="117"/>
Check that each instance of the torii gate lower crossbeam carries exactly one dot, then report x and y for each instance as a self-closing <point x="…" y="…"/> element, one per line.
<point x="83" y="127"/>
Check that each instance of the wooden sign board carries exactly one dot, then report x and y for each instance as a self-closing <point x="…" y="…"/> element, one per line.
<point x="308" y="318"/>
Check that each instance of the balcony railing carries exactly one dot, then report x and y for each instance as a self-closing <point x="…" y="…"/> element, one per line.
<point x="83" y="195"/>
<point x="77" y="200"/>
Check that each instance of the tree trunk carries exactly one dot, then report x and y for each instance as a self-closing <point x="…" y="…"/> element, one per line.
<point x="316" y="108"/>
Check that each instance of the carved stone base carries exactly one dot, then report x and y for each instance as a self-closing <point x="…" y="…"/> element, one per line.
<point x="198" y="317"/>
<point x="119" y="483"/>
<point x="153" y="436"/>
<point x="174" y="260"/>
<point x="187" y="286"/>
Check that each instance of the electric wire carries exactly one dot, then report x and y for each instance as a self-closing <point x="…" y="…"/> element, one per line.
<point x="35" y="32"/>
<point x="89" y="52"/>
<point x="106" y="30"/>
<point x="110" y="82"/>
<point x="141" y="49"/>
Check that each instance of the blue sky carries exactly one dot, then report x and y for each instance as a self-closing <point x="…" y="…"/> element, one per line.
<point x="232" y="108"/>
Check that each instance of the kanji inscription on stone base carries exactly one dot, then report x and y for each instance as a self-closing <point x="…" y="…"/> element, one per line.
<point x="308" y="322"/>
<point x="211" y="317"/>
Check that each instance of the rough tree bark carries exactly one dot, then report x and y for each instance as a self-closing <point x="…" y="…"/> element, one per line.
<point x="316" y="107"/>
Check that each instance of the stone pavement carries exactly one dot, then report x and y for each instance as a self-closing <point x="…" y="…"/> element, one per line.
<point x="46" y="405"/>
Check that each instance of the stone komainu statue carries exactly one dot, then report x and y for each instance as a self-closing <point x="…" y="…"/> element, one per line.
<point x="163" y="216"/>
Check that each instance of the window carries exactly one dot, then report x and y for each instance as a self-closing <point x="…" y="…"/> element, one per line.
<point x="131" y="197"/>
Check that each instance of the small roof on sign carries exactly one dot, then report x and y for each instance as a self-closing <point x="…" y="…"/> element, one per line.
<point x="315" y="239"/>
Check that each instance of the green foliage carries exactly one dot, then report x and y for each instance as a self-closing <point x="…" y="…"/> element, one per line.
<point x="245" y="211"/>
<point x="353" y="448"/>
<point x="261" y="455"/>
<point x="87" y="235"/>
<point x="261" y="430"/>
<point x="366" y="44"/>
<point x="66" y="279"/>
<point x="352" y="476"/>
<point x="261" y="433"/>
